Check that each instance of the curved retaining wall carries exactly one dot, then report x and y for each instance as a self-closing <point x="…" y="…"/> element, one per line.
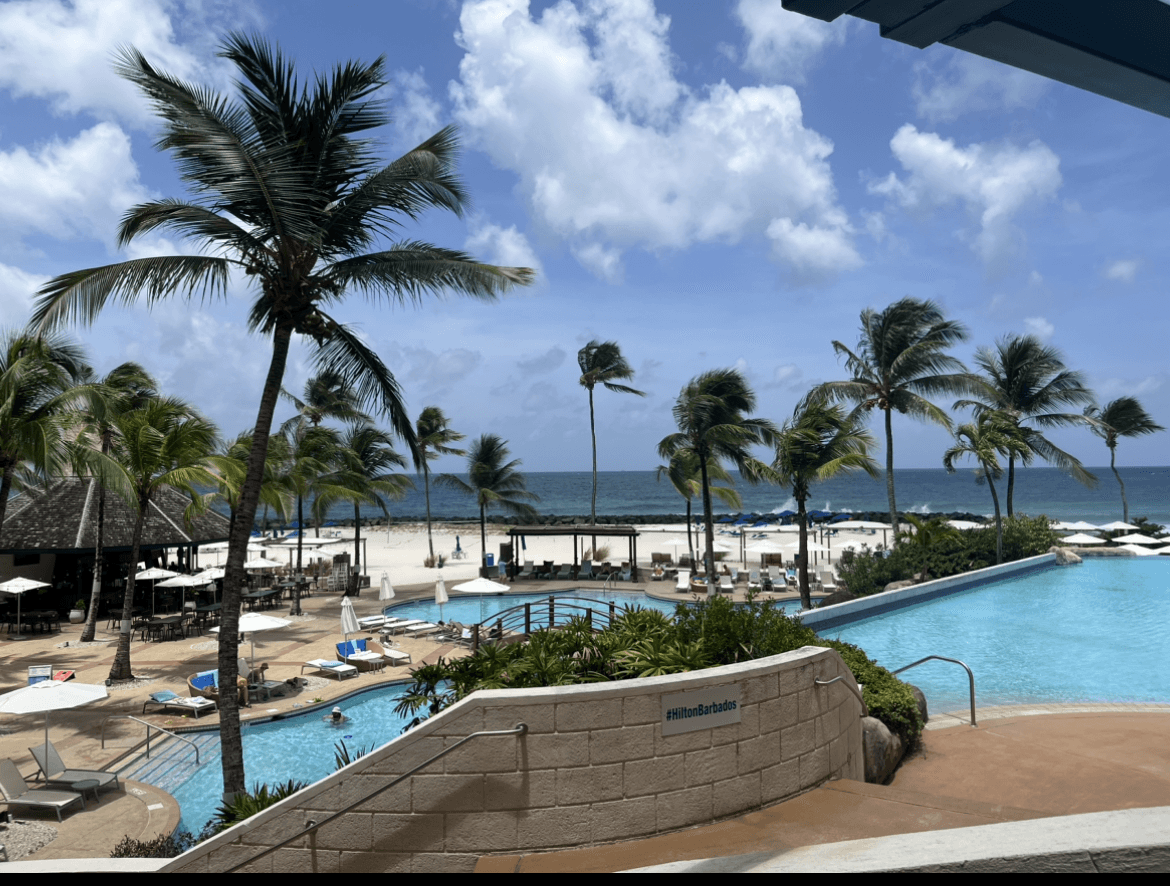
<point x="599" y="764"/>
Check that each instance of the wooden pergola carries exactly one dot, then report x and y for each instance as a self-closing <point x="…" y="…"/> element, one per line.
<point x="578" y="530"/>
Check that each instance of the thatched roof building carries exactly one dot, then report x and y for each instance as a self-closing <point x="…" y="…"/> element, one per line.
<point x="63" y="520"/>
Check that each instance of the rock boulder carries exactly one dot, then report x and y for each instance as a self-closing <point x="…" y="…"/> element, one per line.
<point x="881" y="748"/>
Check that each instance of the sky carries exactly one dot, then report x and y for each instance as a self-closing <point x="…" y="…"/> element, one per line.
<point x="709" y="185"/>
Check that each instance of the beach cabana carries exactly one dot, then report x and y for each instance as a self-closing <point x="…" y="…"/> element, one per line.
<point x="578" y="530"/>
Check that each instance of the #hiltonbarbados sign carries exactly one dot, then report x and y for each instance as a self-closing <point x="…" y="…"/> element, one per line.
<point x="700" y="709"/>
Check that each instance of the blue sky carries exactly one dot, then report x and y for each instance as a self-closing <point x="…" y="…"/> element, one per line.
<point x="709" y="185"/>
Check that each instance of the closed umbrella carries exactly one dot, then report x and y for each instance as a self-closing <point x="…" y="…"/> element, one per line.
<point x="385" y="589"/>
<point x="349" y="622"/>
<point x="441" y="596"/>
<point x="50" y="695"/>
<point x="17" y="587"/>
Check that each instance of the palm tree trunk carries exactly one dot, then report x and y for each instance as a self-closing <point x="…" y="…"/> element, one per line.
<point x="427" y="488"/>
<point x="593" y="434"/>
<point x="95" y="595"/>
<point x="998" y="520"/>
<point x="231" y="744"/>
<point x="709" y="558"/>
<point x="1011" y="486"/>
<point x="482" y="536"/>
<point x="357" y="545"/>
<point x="690" y="544"/>
<point x="120" y="670"/>
<point x="890" y="474"/>
<point x="1113" y="467"/>
<point x="802" y="553"/>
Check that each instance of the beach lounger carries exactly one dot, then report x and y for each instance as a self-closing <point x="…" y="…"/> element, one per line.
<point x="725" y="585"/>
<point x="18" y="793"/>
<point x="754" y="580"/>
<point x="55" y="771"/>
<point x="205" y="684"/>
<point x="420" y="630"/>
<point x="169" y="701"/>
<point x="372" y="622"/>
<point x="527" y="571"/>
<point x="684" y="581"/>
<point x="585" y="573"/>
<point x="339" y="669"/>
<point x="401" y="626"/>
<point x="828" y="581"/>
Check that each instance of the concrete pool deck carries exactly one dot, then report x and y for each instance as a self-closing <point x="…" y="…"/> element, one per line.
<point x="1018" y="766"/>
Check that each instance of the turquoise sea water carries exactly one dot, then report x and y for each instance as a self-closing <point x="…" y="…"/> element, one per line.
<point x="1038" y="491"/>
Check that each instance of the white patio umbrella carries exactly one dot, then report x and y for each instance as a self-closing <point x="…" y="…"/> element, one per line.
<point x="441" y="596"/>
<point x="152" y="575"/>
<point x="1134" y="539"/>
<point x="349" y="622"/>
<point x="50" y="695"/>
<point x="481" y="586"/>
<point x="1139" y="550"/>
<point x="1117" y="525"/>
<point x="184" y="582"/>
<point x="262" y="563"/>
<point x="385" y="589"/>
<point x="254" y="623"/>
<point x="1081" y="539"/>
<point x="17" y="587"/>
<point x="964" y="524"/>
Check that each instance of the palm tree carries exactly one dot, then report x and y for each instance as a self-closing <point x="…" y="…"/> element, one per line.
<point x="434" y="439"/>
<point x="1123" y="417"/>
<point x="162" y="443"/>
<point x="819" y="442"/>
<point x="602" y="363"/>
<point x="288" y="191"/>
<point x="366" y="458"/>
<point x="710" y="416"/>
<point x="327" y="396"/>
<point x="493" y="482"/>
<point x="683" y="474"/>
<point x="901" y="360"/>
<point x="39" y="378"/>
<point x="127" y="386"/>
<point x="925" y="535"/>
<point x="1027" y="381"/>
<point x="994" y="434"/>
<point x="314" y="456"/>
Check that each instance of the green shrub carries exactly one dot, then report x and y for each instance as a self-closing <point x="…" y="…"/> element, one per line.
<point x="888" y="698"/>
<point x="160" y="847"/>
<point x="245" y="805"/>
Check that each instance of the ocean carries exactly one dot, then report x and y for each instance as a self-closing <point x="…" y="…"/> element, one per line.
<point x="921" y="491"/>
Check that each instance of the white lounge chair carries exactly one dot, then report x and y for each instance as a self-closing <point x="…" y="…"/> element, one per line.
<point x="18" y="793"/>
<point x="725" y="585"/>
<point x="684" y="581"/>
<point x="339" y="669"/>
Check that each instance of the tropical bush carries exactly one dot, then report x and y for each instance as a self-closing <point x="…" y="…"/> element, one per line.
<point x="245" y="805"/>
<point x="646" y="643"/>
<point x="162" y="846"/>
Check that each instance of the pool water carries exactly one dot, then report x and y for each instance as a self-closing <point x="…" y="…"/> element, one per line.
<point x="1097" y="632"/>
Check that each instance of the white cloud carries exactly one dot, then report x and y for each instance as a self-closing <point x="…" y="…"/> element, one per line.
<point x="994" y="181"/>
<point x="1039" y="327"/>
<point x="1123" y="270"/>
<point x="965" y="83"/>
<point x="546" y="362"/>
<point x="614" y="153"/>
<point x="787" y="375"/>
<point x="416" y="114"/>
<point x="502" y="246"/>
<point x="64" y="52"/>
<point x="78" y="188"/>
<point x="17" y="288"/>
<point x="783" y="43"/>
<point x="432" y="372"/>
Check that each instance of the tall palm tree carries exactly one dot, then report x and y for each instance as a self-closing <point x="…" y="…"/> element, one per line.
<point x="39" y="378"/>
<point x="901" y="360"/>
<point x="683" y="474"/>
<point x="819" y="442"/>
<point x="366" y="459"/>
<point x="494" y="481"/>
<point x="711" y="423"/>
<point x="287" y="190"/>
<point x="327" y="396"/>
<point x="434" y="439"/>
<point x="602" y="363"/>
<point x="1027" y="381"/>
<point x="128" y="386"/>
<point x="1123" y="417"/>
<point x="162" y="443"/>
<point x="993" y="435"/>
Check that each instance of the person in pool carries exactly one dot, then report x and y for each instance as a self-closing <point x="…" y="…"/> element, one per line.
<point x="336" y="718"/>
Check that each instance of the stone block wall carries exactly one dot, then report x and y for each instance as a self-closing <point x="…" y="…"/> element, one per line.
<point x="594" y="767"/>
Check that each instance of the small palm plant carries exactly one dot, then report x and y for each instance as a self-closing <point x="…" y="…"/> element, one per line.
<point x="494" y="482"/>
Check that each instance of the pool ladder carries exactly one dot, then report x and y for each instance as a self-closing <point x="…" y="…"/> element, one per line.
<point x="970" y="676"/>
<point x="149" y="726"/>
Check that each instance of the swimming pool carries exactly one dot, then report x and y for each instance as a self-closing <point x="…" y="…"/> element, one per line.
<point x="1097" y="632"/>
<point x="476" y="608"/>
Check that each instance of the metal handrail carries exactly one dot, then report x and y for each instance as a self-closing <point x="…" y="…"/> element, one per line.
<point x="310" y="826"/>
<point x="149" y="726"/>
<point x="851" y="685"/>
<point x="970" y="676"/>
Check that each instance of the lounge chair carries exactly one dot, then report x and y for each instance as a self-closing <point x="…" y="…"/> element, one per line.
<point x="527" y="571"/>
<point x="754" y="580"/>
<point x="338" y="669"/>
<point x="365" y="655"/>
<point x="205" y="684"/>
<point x="561" y="573"/>
<point x="725" y="585"/>
<point x="586" y="571"/>
<point x="828" y="582"/>
<point x="18" y="793"/>
<point x="624" y="575"/>
<point x="169" y="701"/>
<point x="684" y="581"/>
<point x="55" y="771"/>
